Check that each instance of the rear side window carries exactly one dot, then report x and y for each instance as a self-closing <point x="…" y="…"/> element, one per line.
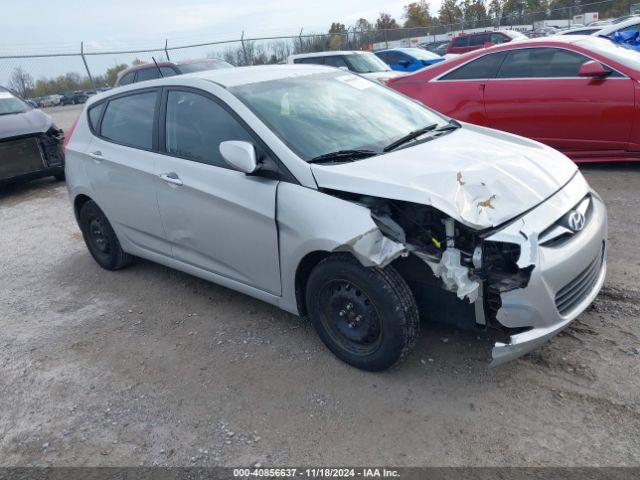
<point x="479" y="69"/>
<point x="541" y="63"/>
<point x="460" y="42"/>
<point x="497" y="38"/>
<point x="196" y="125"/>
<point x="480" y="39"/>
<point x="396" y="57"/>
<point x="167" y="72"/>
<point x="127" y="78"/>
<point x="129" y="120"/>
<point x="94" y="115"/>
<point x="147" y="74"/>
<point x="312" y="60"/>
<point x="335" y="61"/>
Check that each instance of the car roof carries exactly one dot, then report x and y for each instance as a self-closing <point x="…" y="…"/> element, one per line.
<point x="327" y="53"/>
<point x="232" y="77"/>
<point x="400" y="49"/>
<point x="614" y="27"/>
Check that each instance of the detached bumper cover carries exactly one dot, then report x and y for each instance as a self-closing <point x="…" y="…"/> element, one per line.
<point x="566" y="276"/>
<point x="523" y="343"/>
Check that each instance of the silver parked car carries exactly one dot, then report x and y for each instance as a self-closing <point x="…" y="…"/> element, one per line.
<point x="331" y="196"/>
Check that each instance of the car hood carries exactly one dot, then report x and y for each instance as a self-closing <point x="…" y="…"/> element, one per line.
<point x="383" y="76"/>
<point x="29" y="122"/>
<point x="478" y="176"/>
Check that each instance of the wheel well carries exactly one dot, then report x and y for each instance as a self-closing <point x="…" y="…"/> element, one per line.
<point x="306" y="265"/>
<point x="79" y="201"/>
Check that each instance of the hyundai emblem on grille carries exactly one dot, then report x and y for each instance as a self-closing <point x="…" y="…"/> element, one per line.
<point x="575" y="221"/>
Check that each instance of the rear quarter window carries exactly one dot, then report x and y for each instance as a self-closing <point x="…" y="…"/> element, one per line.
<point x="94" y="116"/>
<point x="460" y="42"/>
<point x="127" y="78"/>
<point x="479" y="69"/>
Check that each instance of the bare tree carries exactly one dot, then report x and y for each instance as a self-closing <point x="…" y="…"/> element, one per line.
<point x="21" y="82"/>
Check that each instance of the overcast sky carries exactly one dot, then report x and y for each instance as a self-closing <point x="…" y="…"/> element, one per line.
<point x="101" y="21"/>
<point x="39" y="26"/>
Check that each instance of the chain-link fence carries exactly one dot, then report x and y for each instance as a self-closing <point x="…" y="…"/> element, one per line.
<point x="39" y="70"/>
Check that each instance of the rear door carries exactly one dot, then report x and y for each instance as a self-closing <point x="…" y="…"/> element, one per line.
<point x="538" y="94"/>
<point x="121" y="167"/>
<point x="216" y="219"/>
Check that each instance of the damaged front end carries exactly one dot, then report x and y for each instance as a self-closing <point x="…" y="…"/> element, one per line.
<point x="434" y="252"/>
<point x="32" y="155"/>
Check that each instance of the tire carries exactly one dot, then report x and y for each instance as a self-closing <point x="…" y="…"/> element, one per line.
<point x="100" y="238"/>
<point x="59" y="176"/>
<point x="366" y="316"/>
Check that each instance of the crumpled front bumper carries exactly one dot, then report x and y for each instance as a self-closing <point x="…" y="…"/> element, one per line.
<point x="579" y="263"/>
<point x="525" y="342"/>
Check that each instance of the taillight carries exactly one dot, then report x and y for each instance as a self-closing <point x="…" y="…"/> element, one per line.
<point x="67" y="137"/>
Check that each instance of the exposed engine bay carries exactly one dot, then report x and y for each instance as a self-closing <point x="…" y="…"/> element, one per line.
<point x="29" y="154"/>
<point x="461" y="261"/>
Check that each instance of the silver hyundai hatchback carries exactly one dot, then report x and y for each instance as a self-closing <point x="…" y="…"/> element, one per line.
<point x="336" y="198"/>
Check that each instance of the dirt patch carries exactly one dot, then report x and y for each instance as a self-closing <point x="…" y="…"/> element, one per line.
<point x="151" y="366"/>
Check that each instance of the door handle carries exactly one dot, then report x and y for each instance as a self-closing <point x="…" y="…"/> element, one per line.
<point x="97" y="155"/>
<point x="171" y="178"/>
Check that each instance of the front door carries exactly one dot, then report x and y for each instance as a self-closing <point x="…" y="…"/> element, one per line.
<point x="217" y="219"/>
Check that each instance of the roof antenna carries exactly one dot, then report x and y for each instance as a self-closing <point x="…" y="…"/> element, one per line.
<point x="156" y="64"/>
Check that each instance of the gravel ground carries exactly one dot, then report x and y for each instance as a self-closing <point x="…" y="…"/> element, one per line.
<point x="149" y="366"/>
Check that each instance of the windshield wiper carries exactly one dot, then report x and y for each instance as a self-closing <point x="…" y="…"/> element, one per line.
<point x="408" y="137"/>
<point x="452" y="125"/>
<point x="342" y="156"/>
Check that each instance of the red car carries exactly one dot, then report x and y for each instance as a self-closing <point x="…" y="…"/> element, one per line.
<point x="468" y="42"/>
<point x="580" y="95"/>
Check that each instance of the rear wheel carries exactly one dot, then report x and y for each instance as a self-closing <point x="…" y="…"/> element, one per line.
<point x="100" y="238"/>
<point x="366" y="316"/>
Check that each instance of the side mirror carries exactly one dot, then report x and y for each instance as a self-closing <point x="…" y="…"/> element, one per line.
<point x="239" y="155"/>
<point x="488" y="44"/>
<point x="593" y="69"/>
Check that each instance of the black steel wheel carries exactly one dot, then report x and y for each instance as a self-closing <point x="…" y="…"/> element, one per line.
<point x="366" y="316"/>
<point x="100" y="238"/>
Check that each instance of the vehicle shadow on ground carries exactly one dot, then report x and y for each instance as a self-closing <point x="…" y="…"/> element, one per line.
<point x="170" y="296"/>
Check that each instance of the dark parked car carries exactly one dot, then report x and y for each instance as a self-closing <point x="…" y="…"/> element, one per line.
<point x="74" y="98"/>
<point x="151" y="71"/>
<point x="468" y="42"/>
<point x="30" y="143"/>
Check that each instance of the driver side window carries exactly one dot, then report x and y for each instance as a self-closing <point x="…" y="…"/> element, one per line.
<point x="195" y="126"/>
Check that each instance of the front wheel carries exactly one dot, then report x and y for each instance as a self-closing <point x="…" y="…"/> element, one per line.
<point x="100" y="238"/>
<point x="366" y="316"/>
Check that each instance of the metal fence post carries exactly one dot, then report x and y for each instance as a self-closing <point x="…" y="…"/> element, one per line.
<point x="244" y="50"/>
<point x="166" y="49"/>
<point x="84" y="60"/>
<point x="300" y="39"/>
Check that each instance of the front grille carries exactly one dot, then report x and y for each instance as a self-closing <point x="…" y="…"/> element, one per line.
<point x="577" y="290"/>
<point x="559" y="232"/>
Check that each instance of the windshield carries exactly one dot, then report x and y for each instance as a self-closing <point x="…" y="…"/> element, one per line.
<point x="420" y="54"/>
<point x="516" y="35"/>
<point x="203" y="65"/>
<point x="10" y="104"/>
<point x="328" y="112"/>
<point x="365" y="63"/>
<point x="615" y="51"/>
